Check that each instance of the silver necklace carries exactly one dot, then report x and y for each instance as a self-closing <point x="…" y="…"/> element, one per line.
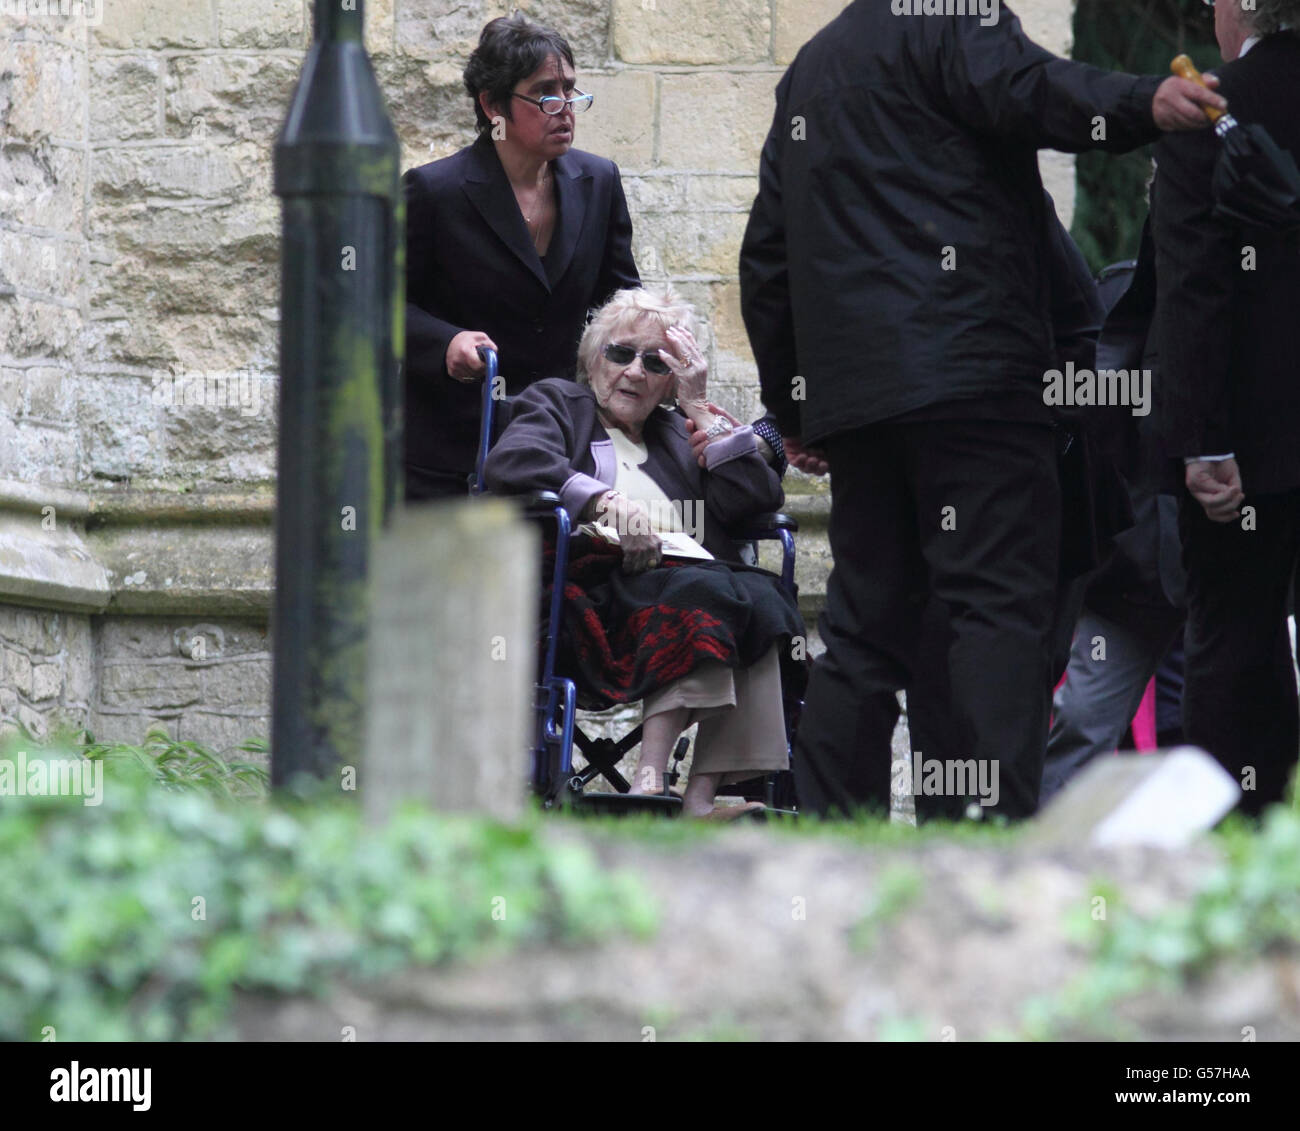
<point x="541" y="199"/>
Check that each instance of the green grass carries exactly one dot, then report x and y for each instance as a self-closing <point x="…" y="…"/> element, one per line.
<point x="862" y="831"/>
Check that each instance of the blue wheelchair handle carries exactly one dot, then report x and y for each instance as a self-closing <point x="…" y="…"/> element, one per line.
<point x="491" y="360"/>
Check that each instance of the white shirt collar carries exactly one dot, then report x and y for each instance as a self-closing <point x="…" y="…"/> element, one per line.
<point x="1247" y="44"/>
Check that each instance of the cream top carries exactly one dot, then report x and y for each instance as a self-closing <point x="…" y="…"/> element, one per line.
<point x="630" y="480"/>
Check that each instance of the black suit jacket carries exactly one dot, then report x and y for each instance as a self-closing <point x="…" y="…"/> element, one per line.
<point x="1147" y="566"/>
<point x="471" y="265"/>
<point x="896" y="138"/>
<point x="1229" y="338"/>
<point x="1094" y="502"/>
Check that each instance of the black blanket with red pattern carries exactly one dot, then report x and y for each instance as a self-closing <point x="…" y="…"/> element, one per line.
<point x="625" y="635"/>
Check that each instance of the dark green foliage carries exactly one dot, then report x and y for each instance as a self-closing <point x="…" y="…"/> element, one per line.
<point x="187" y="765"/>
<point x="1140" y="36"/>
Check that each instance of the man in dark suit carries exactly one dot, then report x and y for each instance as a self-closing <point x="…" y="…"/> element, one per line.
<point x="1133" y="609"/>
<point x="510" y="242"/>
<point x="1095" y="510"/>
<point x="893" y="286"/>
<point x="1228" y="319"/>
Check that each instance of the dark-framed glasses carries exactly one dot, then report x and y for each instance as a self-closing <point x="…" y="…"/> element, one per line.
<point x="553" y="104"/>
<point x="625" y="355"/>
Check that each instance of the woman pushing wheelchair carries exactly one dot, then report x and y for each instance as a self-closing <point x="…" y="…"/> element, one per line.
<point x="658" y="605"/>
<point x="510" y="242"/>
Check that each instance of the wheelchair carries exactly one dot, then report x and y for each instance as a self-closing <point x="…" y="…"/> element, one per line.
<point x="554" y="778"/>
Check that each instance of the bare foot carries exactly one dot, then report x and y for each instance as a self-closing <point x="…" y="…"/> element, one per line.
<point x="646" y="781"/>
<point x="641" y="786"/>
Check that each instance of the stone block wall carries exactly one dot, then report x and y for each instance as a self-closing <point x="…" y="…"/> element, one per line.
<point x="684" y="99"/>
<point x="139" y="274"/>
<point x="203" y="682"/>
<point x="118" y="675"/>
<point x="47" y="677"/>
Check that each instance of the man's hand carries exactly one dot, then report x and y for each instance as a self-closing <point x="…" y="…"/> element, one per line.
<point x="809" y="460"/>
<point x="463" y="361"/>
<point x="1216" y="485"/>
<point x="1180" y="104"/>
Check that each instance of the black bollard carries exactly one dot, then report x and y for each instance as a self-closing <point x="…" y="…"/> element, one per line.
<point x="337" y="171"/>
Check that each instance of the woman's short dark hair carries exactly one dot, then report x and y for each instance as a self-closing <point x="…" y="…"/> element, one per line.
<point x="509" y="49"/>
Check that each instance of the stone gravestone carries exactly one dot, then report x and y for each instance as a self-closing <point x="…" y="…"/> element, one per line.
<point x="453" y="651"/>
<point x="1165" y="799"/>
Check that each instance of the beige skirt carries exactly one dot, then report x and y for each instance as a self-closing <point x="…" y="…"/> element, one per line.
<point x="742" y="723"/>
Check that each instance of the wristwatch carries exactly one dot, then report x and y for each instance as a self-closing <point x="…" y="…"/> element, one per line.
<point x="719" y="427"/>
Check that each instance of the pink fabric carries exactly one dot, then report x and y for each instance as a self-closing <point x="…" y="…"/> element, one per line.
<point x="1144" y="722"/>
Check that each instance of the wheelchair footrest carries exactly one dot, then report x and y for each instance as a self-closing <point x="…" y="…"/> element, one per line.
<point x="626" y="804"/>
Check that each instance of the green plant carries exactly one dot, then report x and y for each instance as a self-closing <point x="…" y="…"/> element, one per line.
<point x="895" y="889"/>
<point x="187" y="765"/>
<point x="140" y="918"/>
<point x="721" y="1028"/>
<point x="1249" y="906"/>
<point x="907" y="1030"/>
<point x="1138" y="36"/>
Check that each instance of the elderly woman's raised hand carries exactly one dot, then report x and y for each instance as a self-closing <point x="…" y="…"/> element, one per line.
<point x="688" y="365"/>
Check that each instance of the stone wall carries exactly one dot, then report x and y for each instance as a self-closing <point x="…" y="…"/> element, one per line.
<point x="47" y="676"/>
<point x="684" y="99"/>
<point x="139" y="251"/>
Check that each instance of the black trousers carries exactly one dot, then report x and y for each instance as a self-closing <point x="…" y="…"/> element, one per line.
<point x="1239" y="701"/>
<point x="931" y="726"/>
<point x="967" y="511"/>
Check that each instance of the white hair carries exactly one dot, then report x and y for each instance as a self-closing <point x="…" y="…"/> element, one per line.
<point x="623" y="311"/>
<point x="1269" y="16"/>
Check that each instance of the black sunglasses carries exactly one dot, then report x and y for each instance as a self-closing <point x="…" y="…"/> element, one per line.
<point x="624" y="355"/>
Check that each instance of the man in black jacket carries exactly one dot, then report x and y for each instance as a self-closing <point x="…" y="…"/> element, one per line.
<point x="1095" y="510"/>
<point x="1133" y="610"/>
<point x="1228" y="320"/>
<point x="894" y="289"/>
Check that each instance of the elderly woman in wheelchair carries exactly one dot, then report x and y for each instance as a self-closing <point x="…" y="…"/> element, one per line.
<point x="658" y="605"/>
